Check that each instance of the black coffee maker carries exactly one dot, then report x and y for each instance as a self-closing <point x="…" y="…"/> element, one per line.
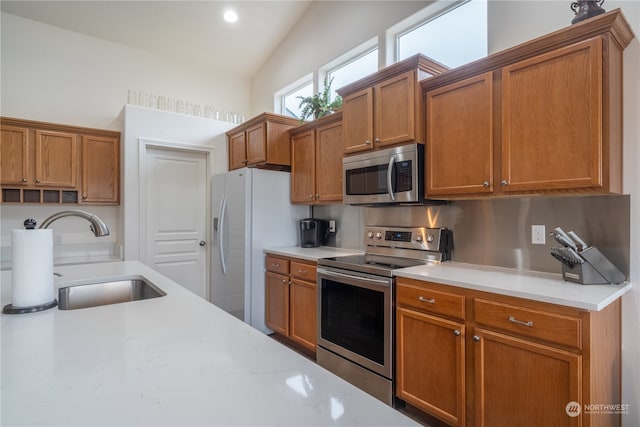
<point x="313" y="232"/>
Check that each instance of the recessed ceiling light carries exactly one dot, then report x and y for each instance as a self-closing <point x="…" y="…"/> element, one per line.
<point x="230" y="16"/>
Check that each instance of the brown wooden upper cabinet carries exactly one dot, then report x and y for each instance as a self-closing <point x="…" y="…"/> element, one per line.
<point x="15" y="163"/>
<point x="542" y="117"/>
<point x="261" y="141"/>
<point x="385" y="108"/>
<point x="100" y="169"/>
<point x="316" y="161"/>
<point x="51" y="163"/>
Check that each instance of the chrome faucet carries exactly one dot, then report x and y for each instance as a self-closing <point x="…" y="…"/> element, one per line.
<point x="98" y="227"/>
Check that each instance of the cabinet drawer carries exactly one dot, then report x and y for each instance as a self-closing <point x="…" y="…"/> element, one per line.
<point x="278" y="265"/>
<point x="303" y="271"/>
<point x="425" y="299"/>
<point x="551" y="327"/>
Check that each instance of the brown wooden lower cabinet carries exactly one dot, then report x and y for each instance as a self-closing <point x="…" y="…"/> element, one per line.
<point x="291" y="300"/>
<point x="479" y="359"/>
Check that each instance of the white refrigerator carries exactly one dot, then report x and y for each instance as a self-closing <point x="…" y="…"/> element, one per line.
<point x="251" y="211"/>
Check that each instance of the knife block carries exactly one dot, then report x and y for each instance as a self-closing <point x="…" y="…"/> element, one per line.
<point x="595" y="270"/>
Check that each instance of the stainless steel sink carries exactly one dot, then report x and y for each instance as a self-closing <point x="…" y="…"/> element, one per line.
<point x="115" y="292"/>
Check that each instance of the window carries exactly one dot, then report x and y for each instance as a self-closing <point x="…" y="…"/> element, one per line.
<point x="455" y="37"/>
<point x="353" y="70"/>
<point x="291" y="102"/>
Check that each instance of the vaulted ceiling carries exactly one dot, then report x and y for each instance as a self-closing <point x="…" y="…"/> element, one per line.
<point x="190" y="31"/>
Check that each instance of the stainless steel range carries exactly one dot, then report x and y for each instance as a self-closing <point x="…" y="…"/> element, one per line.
<point x="356" y="297"/>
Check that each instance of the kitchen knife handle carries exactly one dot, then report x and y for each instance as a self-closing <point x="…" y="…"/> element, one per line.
<point x="581" y="244"/>
<point x="563" y="238"/>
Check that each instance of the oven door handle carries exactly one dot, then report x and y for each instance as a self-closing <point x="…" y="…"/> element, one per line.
<point x="392" y="161"/>
<point x="349" y="276"/>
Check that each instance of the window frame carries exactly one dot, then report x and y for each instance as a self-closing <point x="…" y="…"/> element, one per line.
<point x="281" y="95"/>
<point x="347" y="58"/>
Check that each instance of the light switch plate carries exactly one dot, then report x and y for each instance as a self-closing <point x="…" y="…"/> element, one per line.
<point x="332" y="226"/>
<point x="538" y="235"/>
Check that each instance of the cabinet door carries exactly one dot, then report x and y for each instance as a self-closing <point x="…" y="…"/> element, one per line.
<point x="237" y="151"/>
<point x="460" y="137"/>
<point x="56" y="159"/>
<point x="277" y="303"/>
<point x="100" y="169"/>
<point x="329" y="163"/>
<point x="357" y="121"/>
<point x="430" y="368"/>
<point x="552" y="120"/>
<point x="257" y="144"/>
<point x="14" y="163"/>
<point x="303" y="313"/>
<point x="518" y="382"/>
<point x="303" y="167"/>
<point x="394" y="106"/>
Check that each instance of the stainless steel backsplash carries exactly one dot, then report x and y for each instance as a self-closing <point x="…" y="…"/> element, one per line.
<point x="497" y="231"/>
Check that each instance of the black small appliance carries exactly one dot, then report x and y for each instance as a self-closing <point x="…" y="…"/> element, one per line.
<point x="313" y="232"/>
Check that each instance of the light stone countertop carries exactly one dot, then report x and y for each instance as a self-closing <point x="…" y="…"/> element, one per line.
<point x="312" y="254"/>
<point x="538" y="286"/>
<point x="174" y="360"/>
<point x="545" y="287"/>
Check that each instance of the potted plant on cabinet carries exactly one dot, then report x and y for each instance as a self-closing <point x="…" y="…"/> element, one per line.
<point x="320" y="104"/>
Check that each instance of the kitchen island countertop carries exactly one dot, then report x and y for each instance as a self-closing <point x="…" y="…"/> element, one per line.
<point x="173" y="360"/>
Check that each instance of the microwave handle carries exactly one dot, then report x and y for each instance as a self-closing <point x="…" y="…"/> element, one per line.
<point x="392" y="160"/>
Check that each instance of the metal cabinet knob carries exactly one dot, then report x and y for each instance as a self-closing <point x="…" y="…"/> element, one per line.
<point x="485" y="184"/>
<point x="37" y="181"/>
<point x="84" y="197"/>
<point x="476" y="338"/>
<point x="317" y="196"/>
<point x="311" y="196"/>
<point x="456" y="333"/>
<point x="202" y="243"/>
<point x="24" y="179"/>
<point x="367" y="142"/>
<point x="377" y="140"/>
<point x="504" y="182"/>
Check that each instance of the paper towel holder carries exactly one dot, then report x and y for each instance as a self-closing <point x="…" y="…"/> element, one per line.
<point x="29" y="224"/>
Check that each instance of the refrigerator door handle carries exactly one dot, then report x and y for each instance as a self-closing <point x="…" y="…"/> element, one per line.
<point x="221" y="215"/>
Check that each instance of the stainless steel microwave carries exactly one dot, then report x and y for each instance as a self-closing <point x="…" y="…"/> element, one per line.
<point x="392" y="175"/>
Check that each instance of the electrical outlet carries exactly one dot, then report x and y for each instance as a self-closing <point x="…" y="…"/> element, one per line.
<point x="538" y="235"/>
<point x="332" y="226"/>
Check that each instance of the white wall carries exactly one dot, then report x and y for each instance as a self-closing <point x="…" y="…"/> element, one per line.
<point x="327" y="30"/>
<point x="55" y="75"/>
<point x="510" y="23"/>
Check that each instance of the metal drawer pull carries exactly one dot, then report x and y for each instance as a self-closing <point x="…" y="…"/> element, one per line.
<point x="302" y="271"/>
<point x="423" y="299"/>
<point x="275" y="265"/>
<point x="520" y="322"/>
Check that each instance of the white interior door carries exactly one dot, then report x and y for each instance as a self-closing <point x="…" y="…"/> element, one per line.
<point x="175" y="213"/>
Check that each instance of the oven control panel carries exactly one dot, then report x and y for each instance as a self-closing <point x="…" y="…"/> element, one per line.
<point x="420" y="238"/>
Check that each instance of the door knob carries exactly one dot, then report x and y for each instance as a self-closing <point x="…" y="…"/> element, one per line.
<point x="202" y="243"/>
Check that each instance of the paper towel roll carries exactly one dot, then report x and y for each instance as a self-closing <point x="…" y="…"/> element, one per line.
<point x="32" y="267"/>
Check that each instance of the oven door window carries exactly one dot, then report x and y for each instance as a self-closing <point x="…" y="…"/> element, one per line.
<point x="373" y="179"/>
<point x="353" y="318"/>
